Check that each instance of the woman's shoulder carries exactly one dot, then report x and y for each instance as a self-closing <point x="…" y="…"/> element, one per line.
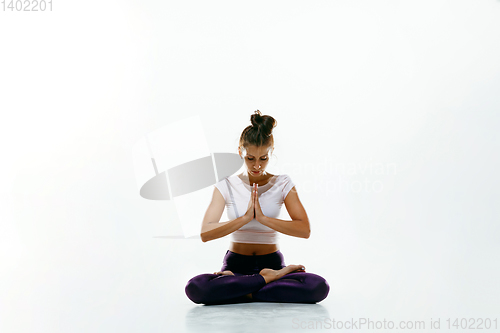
<point x="231" y="179"/>
<point x="273" y="179"/>
<point x="283" y="179"/>
<point x="283" y="176"/>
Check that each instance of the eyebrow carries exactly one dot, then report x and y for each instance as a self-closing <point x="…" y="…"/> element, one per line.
<point x="254" y="156"/>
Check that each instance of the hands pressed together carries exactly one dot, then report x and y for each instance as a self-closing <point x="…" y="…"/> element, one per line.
<point x="254" y="211"/>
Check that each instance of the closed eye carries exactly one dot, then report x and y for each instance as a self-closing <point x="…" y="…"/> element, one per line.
<point x="251" y="158"/>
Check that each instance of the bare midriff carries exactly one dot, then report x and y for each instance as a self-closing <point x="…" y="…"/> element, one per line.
<point x="248" y="249"/>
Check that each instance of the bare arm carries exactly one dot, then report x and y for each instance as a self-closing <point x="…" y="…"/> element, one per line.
<point x="298" y="226"/>
<point x="212" y="229"/>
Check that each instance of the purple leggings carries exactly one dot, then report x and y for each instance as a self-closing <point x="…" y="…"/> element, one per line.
<point x="299" y="287"/>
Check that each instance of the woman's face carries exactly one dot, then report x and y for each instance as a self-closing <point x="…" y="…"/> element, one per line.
<point x="256" y="159"/>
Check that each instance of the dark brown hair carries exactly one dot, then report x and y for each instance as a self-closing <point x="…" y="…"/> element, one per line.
<point x="260" y="133"/>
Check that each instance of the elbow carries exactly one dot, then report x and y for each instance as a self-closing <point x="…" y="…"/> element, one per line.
<point x="307" y="234"/>
<point x="307" y="230"/>
<point x="204" y="237"/>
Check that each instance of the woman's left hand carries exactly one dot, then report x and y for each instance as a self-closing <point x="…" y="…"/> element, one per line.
<point x="258" y="211"/>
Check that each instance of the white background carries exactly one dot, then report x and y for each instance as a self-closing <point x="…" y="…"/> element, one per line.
<point x="388" y="122"/>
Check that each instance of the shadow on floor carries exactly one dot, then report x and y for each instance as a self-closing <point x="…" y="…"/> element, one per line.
<point x="254" y="317"/>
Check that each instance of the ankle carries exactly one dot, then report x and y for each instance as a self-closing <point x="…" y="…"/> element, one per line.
<point x="267" y="274"/>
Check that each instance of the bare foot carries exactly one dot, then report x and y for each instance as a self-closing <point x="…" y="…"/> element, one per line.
<point x="272" y="275"/>
<point x="224" y="273"/>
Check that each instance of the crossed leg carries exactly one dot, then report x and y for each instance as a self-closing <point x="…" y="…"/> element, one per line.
<point x="289" y="284"/>
<point x="297" y="287"/>
<point x="222" y="289"/>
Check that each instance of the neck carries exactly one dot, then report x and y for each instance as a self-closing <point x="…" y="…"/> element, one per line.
<point x="252" y="179"/>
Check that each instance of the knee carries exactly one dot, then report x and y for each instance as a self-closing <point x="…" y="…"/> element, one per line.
<point x="321" y="288"/>
<point x="195" y="289"/>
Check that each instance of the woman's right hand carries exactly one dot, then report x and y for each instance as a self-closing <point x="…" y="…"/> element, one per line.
<point x="250" y="213"/>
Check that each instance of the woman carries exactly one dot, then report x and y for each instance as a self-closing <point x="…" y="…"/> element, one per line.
<point x="253" y="267"/>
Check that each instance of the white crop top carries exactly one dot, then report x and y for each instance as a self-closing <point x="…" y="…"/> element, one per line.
<point x="237" y="192"/>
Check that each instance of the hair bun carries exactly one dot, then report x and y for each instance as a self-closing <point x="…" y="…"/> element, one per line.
<point x="263" y="124"/>
<point x="259" y="133"/>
